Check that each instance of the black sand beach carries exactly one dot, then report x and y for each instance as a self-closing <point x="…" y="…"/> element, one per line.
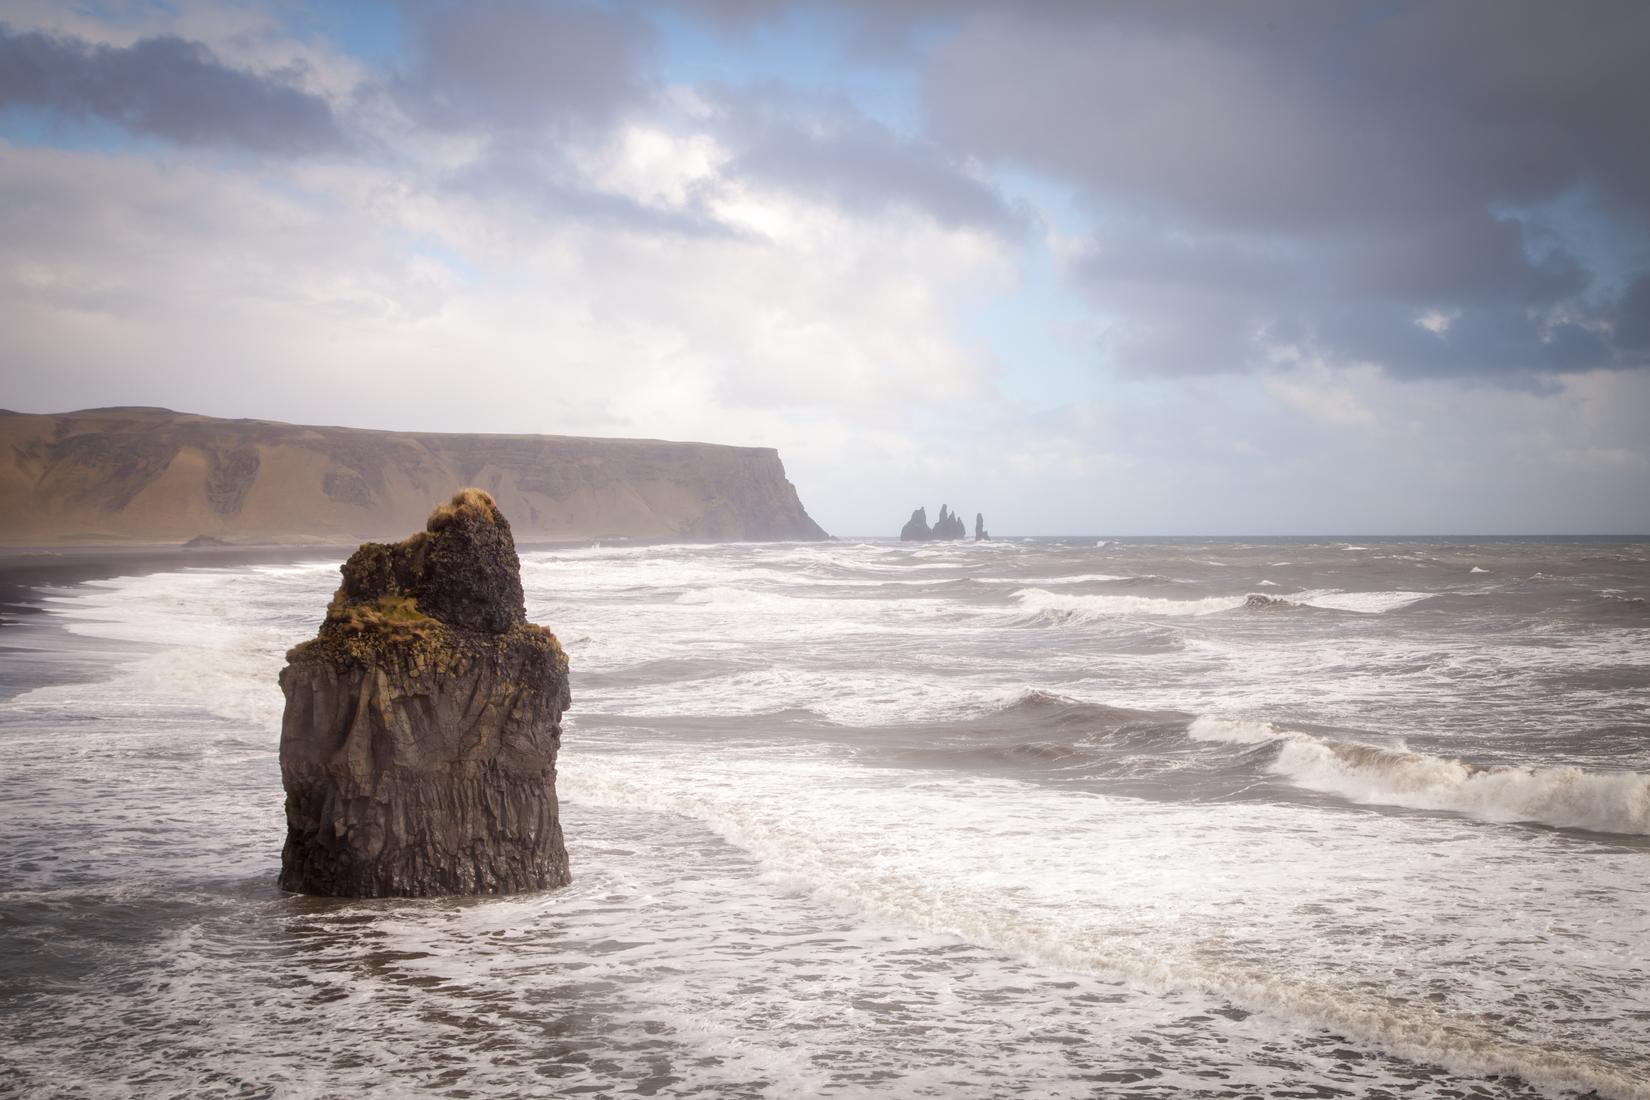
<point x="31" y="650"/>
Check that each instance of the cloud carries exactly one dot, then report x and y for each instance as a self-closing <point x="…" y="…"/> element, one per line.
<point x="509" y="66"/>
<point x="166" y="87"/>
<point x="1632" y="326"/>
<point x="1312" y="389"/>
<point x="830" y="150"/>
<point x="331" y="293"/>
<point x="1300" y="274"/>
<point x="564" y="114"/>
<point x="1319" y="169"/>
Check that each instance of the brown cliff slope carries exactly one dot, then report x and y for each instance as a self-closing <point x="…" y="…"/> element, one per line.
<point x="153" y="475"/>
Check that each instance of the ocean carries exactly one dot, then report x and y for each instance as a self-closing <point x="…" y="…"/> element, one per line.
<point x="1042" y="818"/>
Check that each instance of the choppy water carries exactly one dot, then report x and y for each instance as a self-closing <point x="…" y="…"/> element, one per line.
<point x="1047" y="818"/>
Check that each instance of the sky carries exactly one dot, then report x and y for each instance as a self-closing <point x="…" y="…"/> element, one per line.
<point x="1127" y="268"/>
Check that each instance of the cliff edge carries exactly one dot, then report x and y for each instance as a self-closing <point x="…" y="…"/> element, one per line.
<point x="418" y="746"/>
<point x="153" y="475"/>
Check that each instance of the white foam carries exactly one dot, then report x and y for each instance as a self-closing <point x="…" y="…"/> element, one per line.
<point x="727" y="594"/>
<point x="1365" y="603"/>
<point x="1609" y="802"/>
<point x="1568" y="797"/>
<point x="1062" y="606"/>
<point x="1221" y="898"/>
<point x="214" y="642"/>
<point x="1477" y="569"/>
<point x="1240" y="731"/>
<point x="1080" y="578"/>
<point x="1256" y="903"/>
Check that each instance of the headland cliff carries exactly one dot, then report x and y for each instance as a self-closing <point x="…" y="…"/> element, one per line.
<point x="148" y="475"/>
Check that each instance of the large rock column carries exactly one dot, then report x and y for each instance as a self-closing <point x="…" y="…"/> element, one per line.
<point x="418" y="749"/>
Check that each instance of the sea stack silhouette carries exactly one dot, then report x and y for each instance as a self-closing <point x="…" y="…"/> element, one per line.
<point x="916" y="528"/>
<point x="948" y="526"/>
<point x="418" y="748"/>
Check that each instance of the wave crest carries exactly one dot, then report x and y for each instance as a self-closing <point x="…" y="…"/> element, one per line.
<point x="1567" y="797"/>
<point x="1070" y="607"/>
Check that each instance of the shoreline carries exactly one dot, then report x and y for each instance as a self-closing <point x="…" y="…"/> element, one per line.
<point x="23" y="573"/>
<point x="33" y="660"/>
<point x="26" y="569"/>
<point x="33" y="640"/>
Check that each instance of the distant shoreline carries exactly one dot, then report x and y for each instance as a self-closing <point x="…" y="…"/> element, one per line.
<point x="25" y="572"/>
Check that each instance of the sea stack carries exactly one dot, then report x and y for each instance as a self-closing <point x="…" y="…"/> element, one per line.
<point x="949" y="525"/>
<point x="418" y="748"/>
<point x="980" y="533"/>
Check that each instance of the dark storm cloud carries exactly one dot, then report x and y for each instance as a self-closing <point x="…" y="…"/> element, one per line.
<point x="1633" y="318"/>
<point x="829" y="150"/>
<point x="1151" y="256"/>
<point x="1402" y="158"/>
<point x="514" y="65"/>
<point x="1485" y="340"/>
<point x="165" y="87"/>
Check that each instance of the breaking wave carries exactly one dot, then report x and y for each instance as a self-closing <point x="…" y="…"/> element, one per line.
<point x="1566" y="797"/>
<point x="1063" y="607"/>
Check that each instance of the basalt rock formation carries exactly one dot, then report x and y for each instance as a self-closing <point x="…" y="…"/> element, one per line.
<point x="152" y="475"/>
<point x="980" y="533"/>
<point x="418" y="748"/>
<point x="949" y="525"/>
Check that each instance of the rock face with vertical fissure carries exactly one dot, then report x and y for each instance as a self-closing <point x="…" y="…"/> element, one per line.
<point x="418" y="748"/>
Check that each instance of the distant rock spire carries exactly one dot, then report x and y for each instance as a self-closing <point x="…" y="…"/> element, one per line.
<point x="949" y="525"/>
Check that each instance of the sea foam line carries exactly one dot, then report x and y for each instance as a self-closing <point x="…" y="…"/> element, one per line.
<point x="832" y="868"/>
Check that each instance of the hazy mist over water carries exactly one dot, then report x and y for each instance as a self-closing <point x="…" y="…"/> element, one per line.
<point x="1070" y="817"/>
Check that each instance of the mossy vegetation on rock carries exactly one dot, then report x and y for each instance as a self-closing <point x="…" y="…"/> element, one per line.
<point x="419" y="743"/>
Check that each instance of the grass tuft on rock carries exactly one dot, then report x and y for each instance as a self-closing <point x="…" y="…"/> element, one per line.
<point x="393" y="616"/>
<point x="473" y="502"/>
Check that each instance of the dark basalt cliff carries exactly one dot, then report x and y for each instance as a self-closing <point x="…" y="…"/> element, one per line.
<point x="114" y="475"/>
<point x="418" y="748"/>
<point x="916" y="528"/>
<point x="948" y="526"/>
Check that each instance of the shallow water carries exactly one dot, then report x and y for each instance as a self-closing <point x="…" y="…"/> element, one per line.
<point x="1050" y="818"/>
